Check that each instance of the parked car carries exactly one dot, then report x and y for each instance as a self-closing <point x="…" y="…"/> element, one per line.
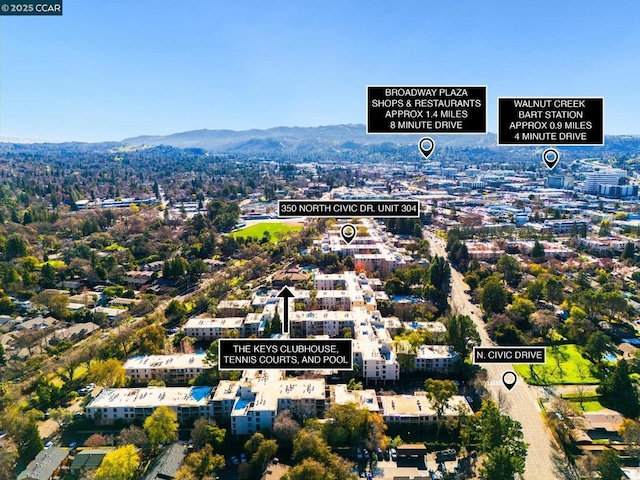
<point x="235" y="460"/>
<point x="243" y="458"/>
<point x="394" y="454"/>
<point x="445" y="455"/>
<point x="379" y="454"/>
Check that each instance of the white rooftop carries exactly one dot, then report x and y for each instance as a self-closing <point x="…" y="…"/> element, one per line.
<point x="363" y="398"/>
<point x="435" y="351"/>
<point x="296" y="389"/>
<point x="234" y="304"/>
<point x="151" y="397"/>
<point x="206" y="321"/>
<point x="226" y="390"/>
<point x="189" y="360"/>
<point x="418" y="405"/>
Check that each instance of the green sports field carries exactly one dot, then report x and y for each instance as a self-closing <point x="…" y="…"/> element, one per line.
<point x="565" y="366"/>
<point x="257" y="230"/>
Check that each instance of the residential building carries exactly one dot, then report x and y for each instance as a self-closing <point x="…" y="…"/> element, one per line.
<point x="128" y="404"/>
<point x="230" y="308"/>
<point x="593" y="180"/>
<point x="112" y="314"/>
<point x="253" y="402"/>
<point x="172" y="369"/>
<point x="435" y="358"/>
<point x="206" y="327"/>
<point x="323" y="322"/>
<point x="167" y="464"/>
<point x="373" y="352"/>
<point x="563" y="227"/>
<point x="560" y="181"/>
<point x="484" y="250"/>
<point x="341" y="395"/>
<point x="46" y="466"/>
<point x="618" y="191"/>
<point x="417" y="409"/>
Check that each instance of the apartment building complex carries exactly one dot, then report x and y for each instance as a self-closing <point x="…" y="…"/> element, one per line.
<point x="172" y="369"/>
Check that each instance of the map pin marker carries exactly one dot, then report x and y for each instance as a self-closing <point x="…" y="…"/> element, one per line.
<point x="550" y="157"/>
<point x="426" y="146"/>
<point x="348" y="232"/>
<point x="509" y="379"/>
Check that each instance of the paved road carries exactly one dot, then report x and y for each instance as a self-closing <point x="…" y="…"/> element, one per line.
<point x="544" y="462"/>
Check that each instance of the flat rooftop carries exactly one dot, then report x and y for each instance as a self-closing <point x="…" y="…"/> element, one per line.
<point x="435" y="352"/>
<point x="265" y="401"/>
<point x="151" y="397"/>
<point x="363" y="398"/>
<point x="234" y="304"/>
<point x="226" y="390"/>
<point x="206" y="321"/>
<point x="173" y="362"/>
<point x="296" y="389"/>
<point x="325" y="315"/>
<point x="418" y="405"/>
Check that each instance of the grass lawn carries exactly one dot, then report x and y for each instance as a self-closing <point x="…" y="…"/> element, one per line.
<point x="588" y="406"/>
<point x="78" y="374"/>
<point x="590" y="402"/>
<point x="273" y="228"/>
<point x="55" y="380"/>
<point x="564" y="366"/>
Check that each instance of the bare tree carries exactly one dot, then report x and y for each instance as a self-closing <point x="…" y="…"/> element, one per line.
<point x="504" y="402"/>
<point x="587" y="465"/>
<point x="285" y="428"/>
<point x="96" y="440"/>
<point x="581" y="394"/>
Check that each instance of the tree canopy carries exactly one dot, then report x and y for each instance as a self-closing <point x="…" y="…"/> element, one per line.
<point x="162" y="426"/>
<point x="120" y="464"/>
<point x="618" y="393"/>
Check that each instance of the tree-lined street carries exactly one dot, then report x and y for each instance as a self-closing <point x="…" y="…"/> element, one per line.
<point x="522" y="399"/>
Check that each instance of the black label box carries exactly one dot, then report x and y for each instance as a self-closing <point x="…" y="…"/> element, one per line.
<point x="349" y="208"/>
<point x="551" y="121"/>
<point x="526" y="355"/>
<point x="426" y="109"/>
<point x="285" y="354"/>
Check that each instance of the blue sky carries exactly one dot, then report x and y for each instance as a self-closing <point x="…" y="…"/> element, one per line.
<point x="112" y="69"/>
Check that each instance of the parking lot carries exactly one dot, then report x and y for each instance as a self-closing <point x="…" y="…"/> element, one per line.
<point x="389" y="469"/>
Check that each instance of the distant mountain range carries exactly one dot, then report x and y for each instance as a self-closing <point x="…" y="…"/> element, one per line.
<point x="351" y="139"/>
<point x="344" y="143"/>
<point x="299" y="139"/>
